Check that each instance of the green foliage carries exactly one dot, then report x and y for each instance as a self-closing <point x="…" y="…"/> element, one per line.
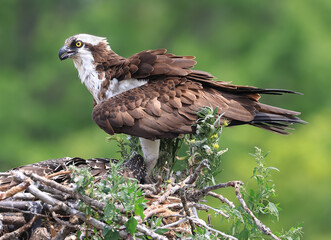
<point x="259" y="201"/>
<point x="168" y="154"/>
<point x="128" y="146"/>
<point x="266" y="189"/>
<point x="293" y="233"/>
<point x="205" y="145"/>
<point x="155" y="225"/>
<point x="202" y="234"/>
<point x="113" y="190"/>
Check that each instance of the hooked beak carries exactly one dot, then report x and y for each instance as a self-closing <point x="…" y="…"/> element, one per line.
<point x="65" y="53"/>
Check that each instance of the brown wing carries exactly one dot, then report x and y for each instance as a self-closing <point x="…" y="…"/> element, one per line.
<point x="166" y="106"/>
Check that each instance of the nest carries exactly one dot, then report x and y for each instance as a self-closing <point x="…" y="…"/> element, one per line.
<point x="38" y="201"/>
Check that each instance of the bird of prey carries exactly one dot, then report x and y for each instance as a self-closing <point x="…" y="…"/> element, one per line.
<point x="154" y="94"/>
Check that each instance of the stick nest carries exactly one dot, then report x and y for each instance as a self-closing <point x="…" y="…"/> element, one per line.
<point x="39" y="201"/>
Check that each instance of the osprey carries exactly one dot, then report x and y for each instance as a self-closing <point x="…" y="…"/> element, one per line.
<point x="154" y="94"/>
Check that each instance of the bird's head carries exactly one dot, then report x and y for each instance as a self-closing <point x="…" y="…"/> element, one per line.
<point x="80" y="45"/>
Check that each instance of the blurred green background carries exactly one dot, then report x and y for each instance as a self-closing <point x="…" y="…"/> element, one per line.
<point x="46" y="112"/>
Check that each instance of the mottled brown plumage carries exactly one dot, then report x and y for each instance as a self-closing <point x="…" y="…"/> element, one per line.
<point x="166" y="106"/>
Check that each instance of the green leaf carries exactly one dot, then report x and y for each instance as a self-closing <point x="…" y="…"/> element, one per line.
<point x="244" y="234"/>
<point x="79" y="233"/>
<point x="131" y="225"/>
<point x="139" y="210"/>
<point x="273" y="209"/>
<point x="158" y="222"/>
<point x="273" y="168"/>
<point x="110" y="234"/>
<point x="161" y="231"/>
<point x="109" y="210"/>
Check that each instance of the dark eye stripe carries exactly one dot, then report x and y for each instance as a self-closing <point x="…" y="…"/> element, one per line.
<point x="73" y="44"/>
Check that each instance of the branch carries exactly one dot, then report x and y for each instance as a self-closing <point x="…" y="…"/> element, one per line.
<point x="12" y="191"/>
<point x="206" y="207"/>
<point x="193" y="177"/>
<point x="223" y="199"/>
<point x="189" y="180"/>
<point x="265" y="230"/>
<point x="185" y="207"/>
<point x="205" y="190"/>
<point x="172" y="224"/>
<point x="200" y="221"/>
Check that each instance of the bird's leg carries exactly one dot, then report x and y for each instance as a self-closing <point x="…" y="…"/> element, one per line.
<point x="151" y="153"/>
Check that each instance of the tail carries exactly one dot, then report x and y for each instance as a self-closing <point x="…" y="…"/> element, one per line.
<point x="275" y="119"/>
<point x="272" y="118"/>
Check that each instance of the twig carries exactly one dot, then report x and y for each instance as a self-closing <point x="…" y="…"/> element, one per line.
<point x="195" y="195"/>
<point x="18" y="232"/>
<point x="170" y="190"/>
<point x="223" y="199"/>
<point x="66" y="229"/>
<point x="189" y="180"/>
<point x="173" y="215"/>
<point x="70" y="191"/>
<point x="206" y="207"/>
<point x="54" y="215"/>
<point x="53" y="202"/>
<point x="181" y="230"/>
<point x="200" y="221"/>
<point x="154" y="188"/>
<point x="22" y="206"/>
<point x="141" y="228"/>
<point x="193" y="177"/>
<point x="158" y="184"/>
<point x="185" y="207"/>
<point x="172" y="224"/>
<point x="63" y="233"/>
<point x="4" y="174"/>
<point x="148" y="213"/>
<point x="16" y="220"/>
<point x="23" y="196"/>
<point x="12" y="191"/>
<point x="265" y="230"/>
<point x="58" y="174"/>
<point x="205" y="190"/>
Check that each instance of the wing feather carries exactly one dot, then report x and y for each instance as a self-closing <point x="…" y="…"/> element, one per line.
<point x="175" y="102"/>
<point x="137" y="113"/>
<point x="167" y="105"/>
<point x="153" y="107"/>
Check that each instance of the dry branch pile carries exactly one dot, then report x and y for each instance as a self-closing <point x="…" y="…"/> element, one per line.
<point x="39" y="202"/>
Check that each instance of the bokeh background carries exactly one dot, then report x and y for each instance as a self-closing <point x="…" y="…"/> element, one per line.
<point x="45" y="112"/>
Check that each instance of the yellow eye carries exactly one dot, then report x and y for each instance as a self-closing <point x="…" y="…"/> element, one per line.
<point x="78" y="44"/>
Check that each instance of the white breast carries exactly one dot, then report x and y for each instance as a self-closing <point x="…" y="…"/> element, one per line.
<point x="117" y="87"/>
<point x="84" y="62"/>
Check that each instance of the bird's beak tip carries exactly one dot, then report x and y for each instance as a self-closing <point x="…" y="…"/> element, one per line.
<point x="64" y="53"/>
